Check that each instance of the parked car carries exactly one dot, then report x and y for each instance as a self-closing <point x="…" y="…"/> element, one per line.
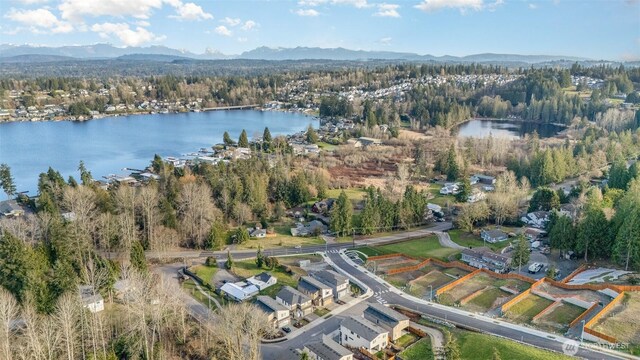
<point x="535" y="268"/>
<point x="286" y="329"/>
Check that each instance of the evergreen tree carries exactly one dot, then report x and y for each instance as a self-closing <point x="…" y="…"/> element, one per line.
<point x="137" y="258"/>
<point x="618" y="174"/>
<point x="6" y="180"/>
<point x="544" y="199"/>
<point x="15" y="265"/>
<point x="226" y="139"/>
<point x="341" y="215"/>
<point x="243" y="141"/>
<point x="593" y="233"/>
<point x="626" y="249"/>
<point x="562" y="234"/>
<point x="229" y="264"/>
<point x="496" y="355"/>
<point x="465" y="190"/>
<point x="451" y="349"/>
<point x="259" y="258"/>
<point x="85" y="175"/>
<point x="453" y="170"/>
<point x="521" y="252"/>
<point x="266" y="139"/>
<point x="312" y="136"/>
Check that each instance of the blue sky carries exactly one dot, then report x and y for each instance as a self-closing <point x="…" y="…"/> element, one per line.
<point x="599" y="29"/>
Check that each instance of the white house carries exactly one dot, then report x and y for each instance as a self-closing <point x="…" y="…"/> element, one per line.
<point x="277" y="313"/>
<point x="536" y="219"/>
<point x="449" y="189"/>
<point x="90" y="298"/>
<point x="359" y="332"/>
<point x="262" y="280"/>
<point x="239" y="291"/>
<point x="327" y="349"/>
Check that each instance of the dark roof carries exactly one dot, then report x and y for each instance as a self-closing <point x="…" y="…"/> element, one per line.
<point x="292" y="296"/>
<point x="312" y="284"/>
<point x="384" y="313"/>
<point x="330" y="277"/>
<point x="495" y="233"/>
<point x="327" y="349"/>
<point x="263" y="276"/>
<point x="8" y="206"/>
<point x="363" y="327"/>
<point x="269" y="305"/>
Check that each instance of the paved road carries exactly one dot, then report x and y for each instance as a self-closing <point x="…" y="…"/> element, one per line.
<point x="445" y="241"/>
<point x="455" y="316"/>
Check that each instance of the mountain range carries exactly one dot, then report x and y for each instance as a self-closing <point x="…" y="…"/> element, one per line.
<point x="29" y="53"/>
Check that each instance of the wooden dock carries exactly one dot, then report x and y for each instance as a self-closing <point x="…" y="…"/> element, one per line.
<point x="238" y="107"/>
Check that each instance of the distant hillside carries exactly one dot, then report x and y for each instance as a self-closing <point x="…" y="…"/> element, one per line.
<point x="163" y="53"/>
<point x="35" y="58"/>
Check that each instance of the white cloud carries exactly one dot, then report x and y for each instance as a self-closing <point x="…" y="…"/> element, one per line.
<point x="462" y="5"/>
<point x="385" y="41"/>
<point x="307" y="12"/>
<point x="242" y="39"/>
<point x="189" y="11"/>
<point x="533" y="6"/>
<point x="356" y="3"/>
<point x="388" y="10"/>
<point x="143" y="23"/>
<point x="128" y="36"/>
<point x="249" y="24"/>
<point x="31" y="2"/>
<point x="223" y="30"/>
<point x="231" y="21"/>
<point x="74" y="10"/>
<point x="39" y="19"/>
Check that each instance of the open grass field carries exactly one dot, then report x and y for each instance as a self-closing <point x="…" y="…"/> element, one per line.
<point x="560" y="317"/>
<point x="295" y="260"/>
<point x="427" y="247"/>
<point x="466" y="288"/>
<point x="354" y="194"/>
<point x="420" y="286"/>
<point x="527" y="308"/>
<point x="421" y="350"/>
<point x="487" y="300"/>
<point x="466" y="239"/>
<point x="480" y="346"/>
<point x="204" y="272"/>
<point x="622" y="322"/>
<point x="282" y="238"/>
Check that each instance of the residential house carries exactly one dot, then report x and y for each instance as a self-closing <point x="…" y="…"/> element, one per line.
<point x="327" y="349"/>
<point x="295" y="301"/>
<point x="262" y="280"/>
<point x="493" y="235"/>
<point x="450" y="189"/>
<point x="485" y="179"/>
<point x="10" y="208"/>
<point x="257" y="233"/>
<point x="358" y="332"/>
<point x="323" y="206"/>
<point x="388" y="319"/>
<point x="276" y="313"/>
<point x="320" y="294"/>
<point x="339" y="284"/>
<point x="239" y="291"/>
<point x="311" y="228"/>
<point x="483" y="258"/>
<point x="533" y="234"/>
<point x="476" y="195"/>
<point x="537" y="219"/>
<point x="91" y="299"/>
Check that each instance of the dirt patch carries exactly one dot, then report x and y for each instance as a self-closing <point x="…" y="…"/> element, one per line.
<point x="585" y="295"/>
<point x="466" y="288"/>
<point x="559" y="318"/>
<point x="421" y="286"/>
<point x="490" y="298"/>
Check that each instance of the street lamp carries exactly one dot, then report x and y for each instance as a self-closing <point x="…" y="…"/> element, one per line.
<point x="582" y="332"/>
<point x="430" y="292"/>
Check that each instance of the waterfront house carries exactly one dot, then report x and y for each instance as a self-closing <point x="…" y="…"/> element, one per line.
<point x="388" y="319"/>
<point x="358" y="332"/>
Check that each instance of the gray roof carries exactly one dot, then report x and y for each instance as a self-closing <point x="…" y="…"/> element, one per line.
<point x="263" y="276"/>
<point x="363" y="327"/>
<point x="312" y="284"/>
<point x="268" y="304"/>
<point x="292" y="296"/>
<point x="328" y="349"/>
<point x="385" y="314"/>
<point x="8" y="206"/>
<point x="330" y="277"/>
<point x="495" y="233"/>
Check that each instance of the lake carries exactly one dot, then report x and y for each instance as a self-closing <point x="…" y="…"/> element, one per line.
<point x="511" y="129"/>
<point x="110" y="144"/>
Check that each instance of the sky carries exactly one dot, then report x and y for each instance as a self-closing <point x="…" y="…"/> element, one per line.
<point x="596" y="29"/>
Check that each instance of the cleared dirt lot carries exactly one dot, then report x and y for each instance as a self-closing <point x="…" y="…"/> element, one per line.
<point x="559" y="318"/>
<point x="586" y="295"/>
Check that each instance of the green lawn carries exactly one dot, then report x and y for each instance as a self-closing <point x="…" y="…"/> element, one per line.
<point x="480" y="346"/>
<point x="204" y="272"/>
<point x="486" y="299"/>
<point x="352" y="193"/>
<point x="427" y="247"/>
<point x="406" y="339"/>
<point x="466" y="239"/>
<point x="321" y="312"/>
<point x="563" y="314"/>
<point x="282" y="238"/>
<point x="248" y="268"/>
<point x="326" y="146"/>
<point x="527" y="308"/>
<point x="421" y="350"/>
<point x="190" y="287"/>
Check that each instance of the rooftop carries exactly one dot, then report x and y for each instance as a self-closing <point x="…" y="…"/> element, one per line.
<point x="380" y="310"/>
<point x="292" y="296"/>
<point x="363" y="327"/>
<point x="268" y="304"/>
<point x="330" y="277"/>
<point x="328" y="349"/>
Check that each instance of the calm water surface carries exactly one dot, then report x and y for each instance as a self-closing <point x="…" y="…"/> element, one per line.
<point x="108" y="145"/>
<point x="505" y="129"/>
